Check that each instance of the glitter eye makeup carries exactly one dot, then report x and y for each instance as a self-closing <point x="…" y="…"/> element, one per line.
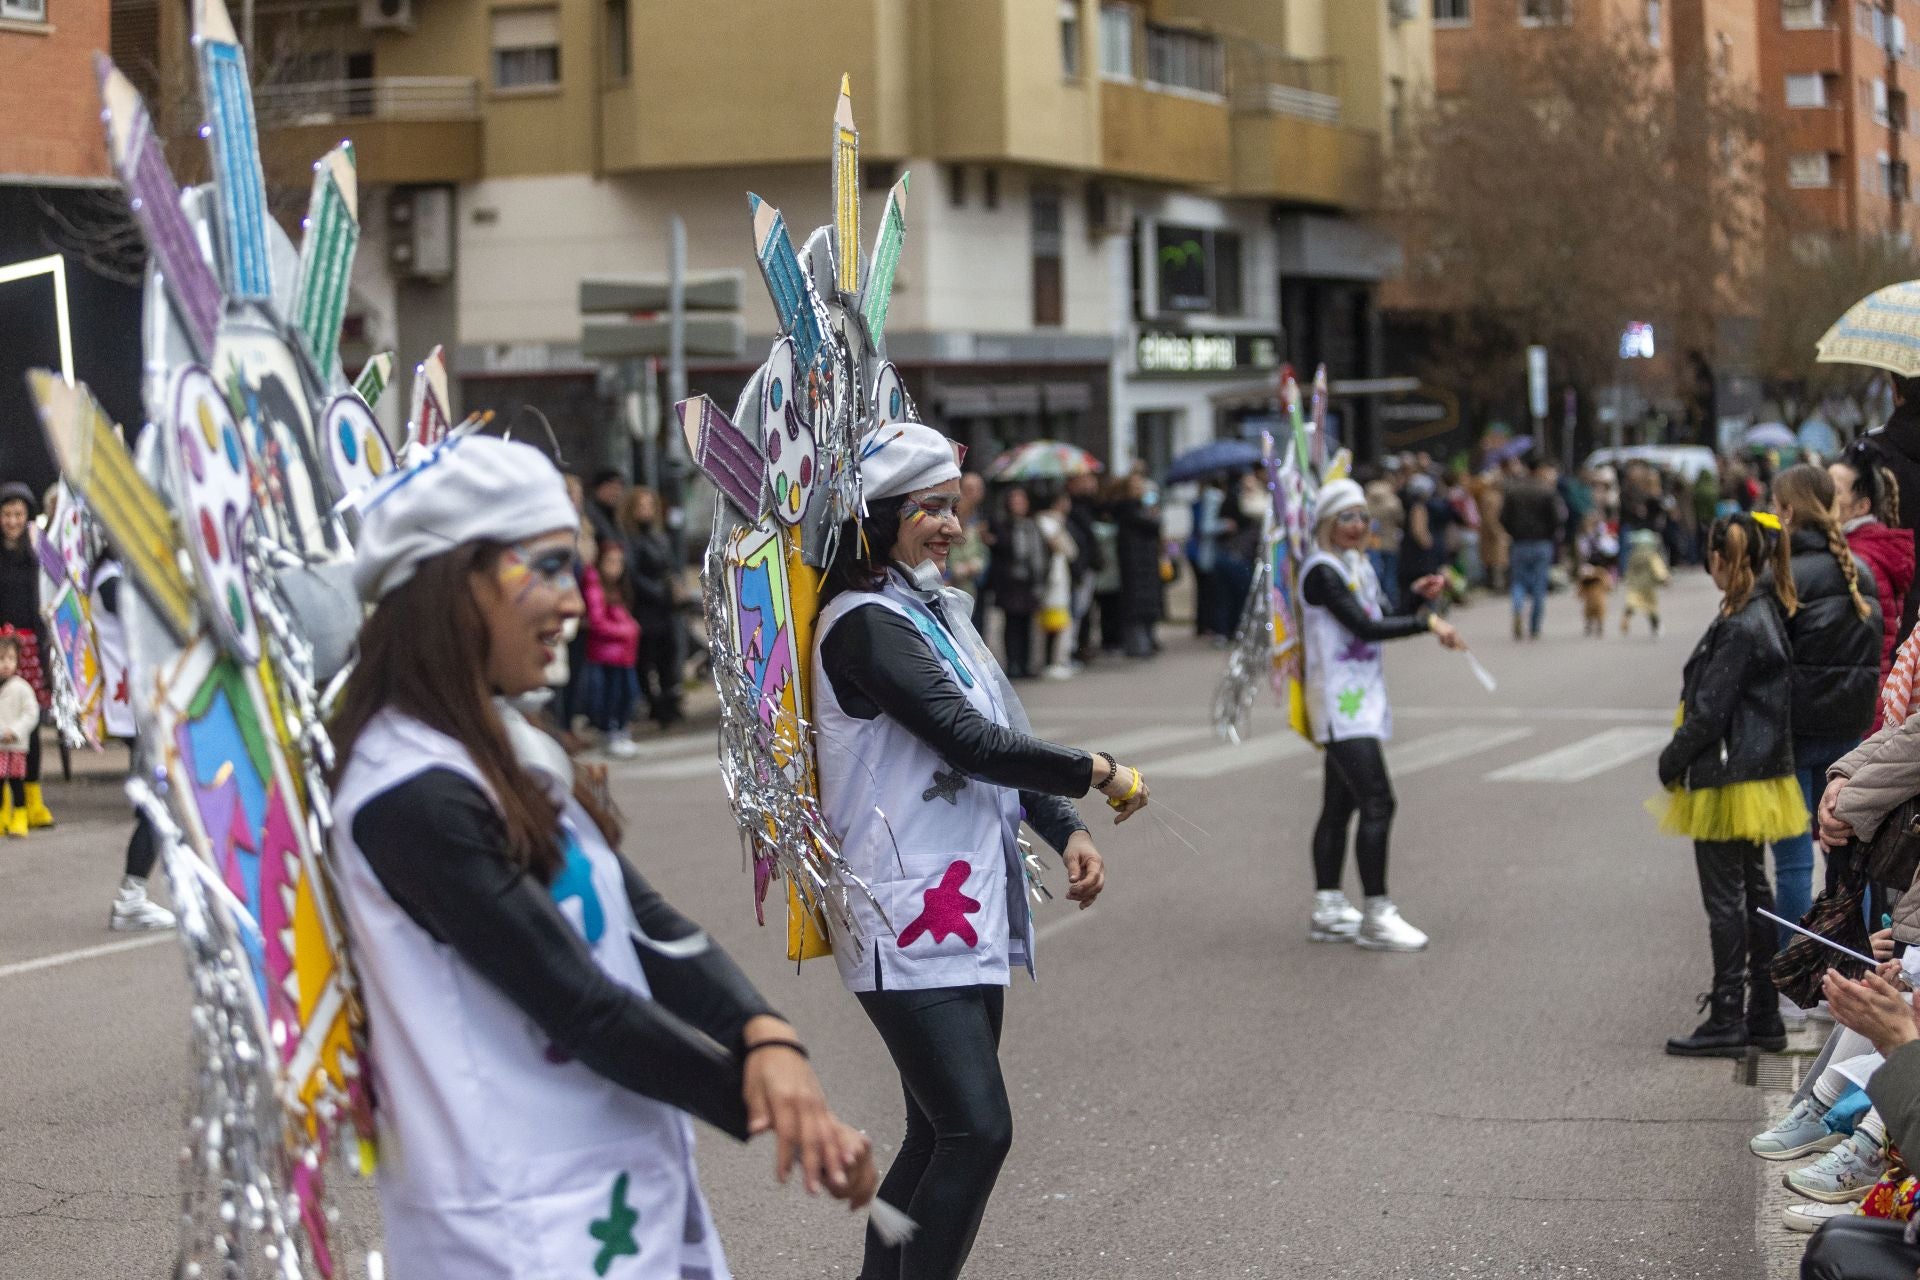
<point x="937" y="506"/>
<point x="552" y="567"/>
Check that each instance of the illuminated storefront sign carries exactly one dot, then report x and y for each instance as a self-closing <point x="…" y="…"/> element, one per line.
<point x="1158" y="352"/>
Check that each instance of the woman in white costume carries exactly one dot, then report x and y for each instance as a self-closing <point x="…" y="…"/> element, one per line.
<point x="1345" y="623"/>
<point x="926" y="767"/>
<point x="541" y="1022"/>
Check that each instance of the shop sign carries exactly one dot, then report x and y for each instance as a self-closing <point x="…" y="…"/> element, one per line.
<point x="1161" y="352"/>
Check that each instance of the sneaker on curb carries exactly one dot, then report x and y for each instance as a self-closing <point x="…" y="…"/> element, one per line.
<point x="1844" y="1174"/>
<point x="1383" y="928"/>
<point x="1810" y="1217"/>
<point x="134" y="912"/>
<point x="623" y="748"/>
<point x="1821" y="1013"/>
<point x="1792" y="1014"/>
<point x="1334" y="918"/>
<point x="1803" y="1132"/>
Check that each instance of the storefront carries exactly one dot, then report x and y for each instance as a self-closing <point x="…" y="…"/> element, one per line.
<point x="1187" y="386"/>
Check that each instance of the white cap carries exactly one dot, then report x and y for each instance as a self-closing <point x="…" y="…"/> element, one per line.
<point x="897" y="458"/>
<point x="466" y="489"/>
<point x="1335" y="497"/>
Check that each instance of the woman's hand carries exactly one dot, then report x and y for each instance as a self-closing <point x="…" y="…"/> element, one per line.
<point x="1882" y="943"/>
<point x="860" y="1179"/>
<point x="1832" y="830"/>
<point x="1126" y="792"/>
<point x="1430" y="587"/>
<point x="1873" y="1008"/>
<point x="1448" y="634"/>
<point x="1086" y="870"/>
<point x="783" y="1094"/>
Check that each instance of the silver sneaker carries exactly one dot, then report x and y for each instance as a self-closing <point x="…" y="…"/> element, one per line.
<point x="1334" y="918"/>
<point x="1845" y="1173"/>
<point x="1382" y="928"/>
<point x="134" y="912"/>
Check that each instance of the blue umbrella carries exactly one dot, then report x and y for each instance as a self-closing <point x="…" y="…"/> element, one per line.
<point x="1770" y="435"/>
<point x="1213" y="457"/>
<point x="1518" y="447"/>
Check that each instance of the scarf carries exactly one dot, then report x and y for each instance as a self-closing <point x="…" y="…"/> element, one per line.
<point x="1896" y="695"/>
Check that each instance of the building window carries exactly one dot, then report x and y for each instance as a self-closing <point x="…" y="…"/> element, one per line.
<point x="1865" y="16"/>
<point x="1070" y="39"/>
<point x="1654" y="23"/>
<point x="1116" y="41"/>
<point x="1813" y="169"/>
<point x="1807" y="90"/>
<point x="24" y="10"/>
<point x="1186" y="60"/>
<point x="1801" y="15"/>
<point x="957" y="185"/>
<point x="1546" y="13"/>
<point x="1452" y="13"/>
<point x="1882" y="114"/>
<point x="526" y="47"/>
<point x="1048" y="285"/>
<point x="990" y="188"/>
<point x="1198" y="270"/>
<point x="619" y="38"/>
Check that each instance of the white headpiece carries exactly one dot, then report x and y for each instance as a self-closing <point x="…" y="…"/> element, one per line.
<point x="1335" y="497"/>
<point x="899" y="457"/>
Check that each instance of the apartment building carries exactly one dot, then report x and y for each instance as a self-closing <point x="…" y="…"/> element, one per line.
<point x="1122" y="216"/>
<point x="57" y="200"/>
<point x="1836" y="74"/>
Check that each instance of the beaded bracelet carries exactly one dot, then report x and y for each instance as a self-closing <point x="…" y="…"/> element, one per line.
<point x="1113" y="770"/>
<point x="794" y="1045"/>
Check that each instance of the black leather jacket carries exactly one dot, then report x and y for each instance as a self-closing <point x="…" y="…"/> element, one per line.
<point x="1836" y="652"/>
<point x="1735" y="696"/>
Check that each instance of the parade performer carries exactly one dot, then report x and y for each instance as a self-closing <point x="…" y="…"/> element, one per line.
<point x="1729" y="774"/>
<point x="132" y="910"/>
<point x="20" y="616"/>
<point x="545" y="1019"/>
<point x="1345" y="625"/>
<point x="925" y="768"/>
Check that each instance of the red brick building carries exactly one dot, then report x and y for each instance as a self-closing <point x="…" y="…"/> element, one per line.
<point x="47" y="94"/>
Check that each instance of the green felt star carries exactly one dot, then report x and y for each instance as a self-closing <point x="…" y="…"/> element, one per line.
<point x="1350" y="699"/>
<point x="615" y="1231"/>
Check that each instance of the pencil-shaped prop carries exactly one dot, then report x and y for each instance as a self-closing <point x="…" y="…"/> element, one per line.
<point x="1868" y="961"/>
<point x="154" y="197"/>
<point x="877" y="293"/>
<point x="236" y="153"/>
<point x="1480" y="673"/>
<point x="326" y="256"/>
<point x="101" y="471"/>
<point x="724" y="453"/>
<point x="427" y="421"/>
<point x="793" y="296"/>
<point x="846" y="194"/>
<point x="373" y="379"/>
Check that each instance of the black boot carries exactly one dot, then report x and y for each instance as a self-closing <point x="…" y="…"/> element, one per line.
<point x="1722" y="1035"/>
<point x="1765" y="1030"/>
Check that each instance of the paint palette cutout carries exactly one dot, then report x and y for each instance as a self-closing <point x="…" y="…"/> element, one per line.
<point x="786" y="436"/>
<point x="355" y="444"/>
<point x="216" y="491"/>
<point x="260" y="373"/>
<point x="891" y="403"/>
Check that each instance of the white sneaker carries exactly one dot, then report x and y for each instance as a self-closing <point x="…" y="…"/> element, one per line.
<point x="1057" y="673"/>
<point x="1811" y="1216"/>
<point x="1382" y="928"/>
<point x="1334" y="918"/>
<point x="622" y="747"/>
<point x="1792" y="1014"/>
<point x="133" y="912"/>
<point x="1844" y="1174"/>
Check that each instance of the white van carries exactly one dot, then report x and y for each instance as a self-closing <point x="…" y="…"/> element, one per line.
<point x="1685" y="460"/>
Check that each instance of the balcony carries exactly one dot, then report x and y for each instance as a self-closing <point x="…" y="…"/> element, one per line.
<point x="1162" y="135"/>
<point x="405" y="129"/>
<point x="1289" y="139"/>
<point x="1816" y="129"/>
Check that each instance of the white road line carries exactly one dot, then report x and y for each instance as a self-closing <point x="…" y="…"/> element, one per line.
<point x="1631" y="715"/>
<point x="84" y="953"/>
<point x="1444" y="747"/>
<point x="1227" y="758"/>
<point x="1140" y="740"/>
<point x="1586" y="758"/>
<point x="707" y="763"/>
<point x="1062" y="923"/>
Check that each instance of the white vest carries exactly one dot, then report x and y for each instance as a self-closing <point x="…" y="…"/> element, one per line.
<point x="939" y="850"/>
<point x="1346" y="681"/>
<point x="497" y="1162"/>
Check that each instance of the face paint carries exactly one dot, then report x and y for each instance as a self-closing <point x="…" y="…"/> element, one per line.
<point x="522" y="569"/>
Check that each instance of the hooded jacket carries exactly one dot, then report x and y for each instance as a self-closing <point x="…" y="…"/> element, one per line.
<point x="1836" y="652"/>
<point x="1735" y="696"/>
<point x="1889" y="553"/>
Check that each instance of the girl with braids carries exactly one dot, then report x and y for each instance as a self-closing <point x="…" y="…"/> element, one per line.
<point x="1867" y="504"/>
<point x="1729" y="772"/>
<point x="1835" y="640"/>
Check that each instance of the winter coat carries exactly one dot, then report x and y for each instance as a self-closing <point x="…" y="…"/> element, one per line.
<point x="613" y="637"/>
<point x="650" y="568"/>
<point x="1889" y="553"/>
<point x="1735" y="697"/>
<point x="19" y="714"/>
<point x="1531" y="512"/>
<point x="1138" y="545"/>
<point x="1882" y="774"/>
<point x="1897" y="447"/>
<point x="1019" y="565"/>
<point x="1836" y="652"/>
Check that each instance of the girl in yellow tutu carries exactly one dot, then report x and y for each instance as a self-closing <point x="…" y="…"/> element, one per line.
<point x="1729" y="772"/>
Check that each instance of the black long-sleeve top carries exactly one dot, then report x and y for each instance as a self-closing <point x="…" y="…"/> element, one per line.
<point x="435" y="844"/>
<point x="880" y="664"/>
<point x="1328" y="590"/>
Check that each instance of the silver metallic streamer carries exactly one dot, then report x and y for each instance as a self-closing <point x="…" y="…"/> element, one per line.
<point x="1249" y="659"/>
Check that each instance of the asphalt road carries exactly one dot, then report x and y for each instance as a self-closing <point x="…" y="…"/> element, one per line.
<point x="1198" y="1090"/>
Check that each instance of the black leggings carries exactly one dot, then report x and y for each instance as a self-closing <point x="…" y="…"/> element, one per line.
<point x="33" y="755"/>
<point x="946" y="1043"/>
<point x="1356" y="782"/>
<point x="142" y="849"/>
<point x="1860" y="1249"/>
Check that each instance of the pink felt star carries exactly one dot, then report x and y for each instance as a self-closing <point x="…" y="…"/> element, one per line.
<point x="945" y="910"/>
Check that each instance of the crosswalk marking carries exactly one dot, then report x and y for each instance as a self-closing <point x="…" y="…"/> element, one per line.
<point x="1586" y="758"/>
<point x="1445" y="747"/>
<point x="1228" y="758"/>
<point x="1122" y="745"/>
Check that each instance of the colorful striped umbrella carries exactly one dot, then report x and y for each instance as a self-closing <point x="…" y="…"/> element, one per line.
<point x="1043" y="460"/>
<point x="1882" y="330"/>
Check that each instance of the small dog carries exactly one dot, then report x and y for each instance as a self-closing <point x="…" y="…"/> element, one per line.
<point x="1596" y="586"/>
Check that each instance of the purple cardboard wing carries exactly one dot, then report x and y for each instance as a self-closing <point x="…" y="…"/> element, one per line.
<point x="724" y="453"/>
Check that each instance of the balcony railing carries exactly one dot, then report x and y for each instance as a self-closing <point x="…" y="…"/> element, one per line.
<point x="383" y="98"/>
<point x="1269" y="80"/>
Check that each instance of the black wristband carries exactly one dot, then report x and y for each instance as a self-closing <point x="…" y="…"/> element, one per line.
<point x="794" y="1045"/>
<point x="1113" y="770"/>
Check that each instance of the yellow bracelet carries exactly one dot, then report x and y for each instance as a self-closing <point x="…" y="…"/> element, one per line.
<point x="1120" y="802"/>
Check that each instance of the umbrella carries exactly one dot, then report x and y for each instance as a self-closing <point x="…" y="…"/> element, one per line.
<point x="1212" y="457"/>
<point x="1881" y="330"/>
<point x="1043" y="460"/>
<point x="1518" y="447"/>
<point x="1770" y="435"/>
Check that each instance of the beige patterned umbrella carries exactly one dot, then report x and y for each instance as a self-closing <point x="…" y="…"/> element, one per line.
<point x="1882" y="330"/>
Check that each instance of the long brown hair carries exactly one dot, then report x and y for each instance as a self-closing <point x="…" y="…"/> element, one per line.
<point x="1809" y="491"/>
<point x="424" y="654"/>
<point x="1746" y="547"/>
